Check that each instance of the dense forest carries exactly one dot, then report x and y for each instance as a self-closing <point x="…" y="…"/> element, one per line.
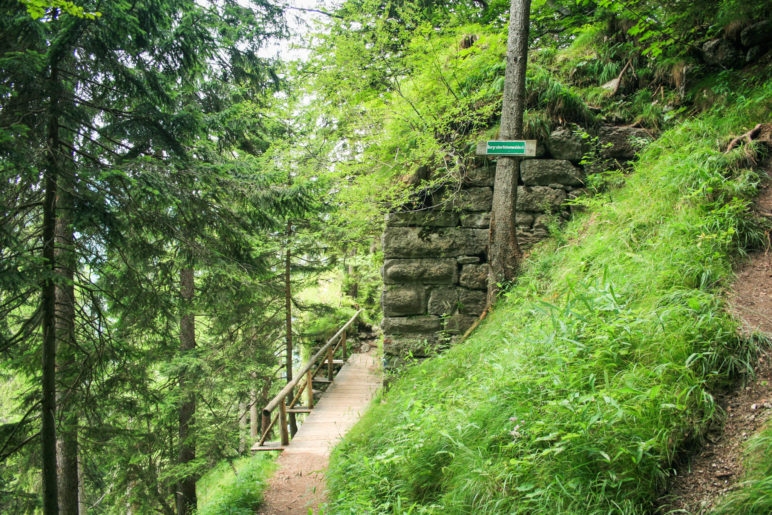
<point x="193" y="196"/>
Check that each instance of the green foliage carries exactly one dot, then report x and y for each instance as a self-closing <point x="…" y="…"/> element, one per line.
<point x="595" y="369"/>
<point x="235" y="487"/>
<point x="37" y="9"/>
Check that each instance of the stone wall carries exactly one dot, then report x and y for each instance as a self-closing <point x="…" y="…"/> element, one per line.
<point x="436" y="258"/>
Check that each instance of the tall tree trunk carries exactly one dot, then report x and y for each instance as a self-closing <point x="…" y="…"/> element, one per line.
<point x="243" y="415"/>
<point x="81" y="484"/>
<point x="254" y="416"/>
<point x="48" y="296"/>
<point x="67" y="440"/>
<point x="186" y="488"/>
<point x="504" y="252"/>
<point x="351" y="276"/>
<point x="288" y="314"/>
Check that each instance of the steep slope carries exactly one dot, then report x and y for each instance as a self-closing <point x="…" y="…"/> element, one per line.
<point x="596" y="370"/>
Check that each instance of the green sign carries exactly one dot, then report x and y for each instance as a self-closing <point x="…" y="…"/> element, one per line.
<point x="518" y="148"/>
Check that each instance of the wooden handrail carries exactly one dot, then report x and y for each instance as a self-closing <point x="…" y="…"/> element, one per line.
<point x="279" y="399"/>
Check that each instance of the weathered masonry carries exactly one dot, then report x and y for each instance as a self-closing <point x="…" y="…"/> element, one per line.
<point x="436" y="258"/>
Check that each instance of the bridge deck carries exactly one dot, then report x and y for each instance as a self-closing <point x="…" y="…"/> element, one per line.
<point x="298" y="484"/>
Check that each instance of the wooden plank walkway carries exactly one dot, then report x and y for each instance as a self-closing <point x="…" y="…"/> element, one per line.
<point x="298" y="484"/>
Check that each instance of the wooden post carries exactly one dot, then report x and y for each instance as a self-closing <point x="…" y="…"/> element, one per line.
<point x="329" y="363"/>
<point x="343" y="344"/>
<point x="310" y="387"/>
<point x="283" y="422"/>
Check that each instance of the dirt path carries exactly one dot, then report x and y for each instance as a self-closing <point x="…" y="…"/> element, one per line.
<point x="709" y="475"/>
<point x="298" y="484"/>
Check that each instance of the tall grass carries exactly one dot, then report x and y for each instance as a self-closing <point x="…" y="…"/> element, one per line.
<point x="596" y="368"/>
<point x="235" y="487"/>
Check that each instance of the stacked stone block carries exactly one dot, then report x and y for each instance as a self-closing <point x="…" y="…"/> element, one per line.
<point x="436" y="259"/>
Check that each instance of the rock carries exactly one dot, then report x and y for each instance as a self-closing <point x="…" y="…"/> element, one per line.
<point x="524" y="219"/>
<point x="471" y="302"/>
<point x="480" y="176"/>
<point x="621" y="142"/>
<point x="407" y="325"/>
<point x="458" y="324"/>
<point x="566" y="144"/>
<point x="474" y="199"/>
<point x="403" y="300"/>
<point x="417" y="346"/>
<point x="758" y="34"/>
<point x="721" y="52"/>
<point x="543" y="172"/>
<point x="540" y="224"/>
<point x="753" y="54"/>
<point x="478" y="220"/>
<point x="539" y="198"/>
<point x="474" y="277"/>
<point x="468" y="260"/>
<point x="425" y="271"/>
<point x="426" y="218"/>
<point x="413" y="242"/>
<point x="443" y="301"/>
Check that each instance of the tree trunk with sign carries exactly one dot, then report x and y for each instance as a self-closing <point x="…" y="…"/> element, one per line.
<point x="504" y="251"/>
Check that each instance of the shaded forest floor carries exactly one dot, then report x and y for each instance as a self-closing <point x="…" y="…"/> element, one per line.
<point x="715" y="470"/>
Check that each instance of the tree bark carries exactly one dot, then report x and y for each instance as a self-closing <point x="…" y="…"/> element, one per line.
<point x="186" y="488"/>
<point x="288" y="314"/>
<point x="67" y="440"/>
<point x="254" y="418"/>
<point x="504" y="251"/>
<point x="243" y="427"/>
<point x="48" y="297"/>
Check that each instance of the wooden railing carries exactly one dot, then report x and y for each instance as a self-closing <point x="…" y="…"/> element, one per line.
<point x="304" y="381"/>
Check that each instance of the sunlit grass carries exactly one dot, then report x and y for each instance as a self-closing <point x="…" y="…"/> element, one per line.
<point x="235" y="487"/>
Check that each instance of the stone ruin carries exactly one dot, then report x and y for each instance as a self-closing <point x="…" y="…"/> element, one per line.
<point x="436" y="258"/>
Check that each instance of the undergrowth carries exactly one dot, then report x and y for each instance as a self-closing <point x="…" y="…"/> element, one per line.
<point x="235" y="488"/>
<point x="596" y="368"/>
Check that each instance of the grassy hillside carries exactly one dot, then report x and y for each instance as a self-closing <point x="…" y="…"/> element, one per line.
<point x="596" y="369"/>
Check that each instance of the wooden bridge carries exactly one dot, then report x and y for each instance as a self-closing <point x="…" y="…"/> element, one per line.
<point x="298" y="484"/>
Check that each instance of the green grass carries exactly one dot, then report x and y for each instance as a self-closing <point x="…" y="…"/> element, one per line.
<point x="754" y="493"/>
<point x="235" y="488"/>
<point x="595" y="370"/>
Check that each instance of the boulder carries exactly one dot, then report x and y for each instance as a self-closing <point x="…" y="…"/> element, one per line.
<point x="417" y="346"/>
<point x="471" y="302"/>
<point x="408" y="325"/>
<point x="757" y="34"/>
<point x="477" y="220"/>
<point x="544" y="172"/>
<point x="425" y="218"/>
<point x="721" y="52"/>
<point x="479" y="176"/>
<point x="425" y="271"/>
<point x="403" y="300"/>
<point x="443" y="301"/>
<point x="524" y="218"/>
<point x="474" y="199"/>
<point x="566" y="144"/>
<point x="474" y="277"/>
<point x="539" y="198"/>
<point x="458" y="323"/>
<point x="414" y="242"/>
<point x="468" y="260"/>
<point x="621" y="142"/>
